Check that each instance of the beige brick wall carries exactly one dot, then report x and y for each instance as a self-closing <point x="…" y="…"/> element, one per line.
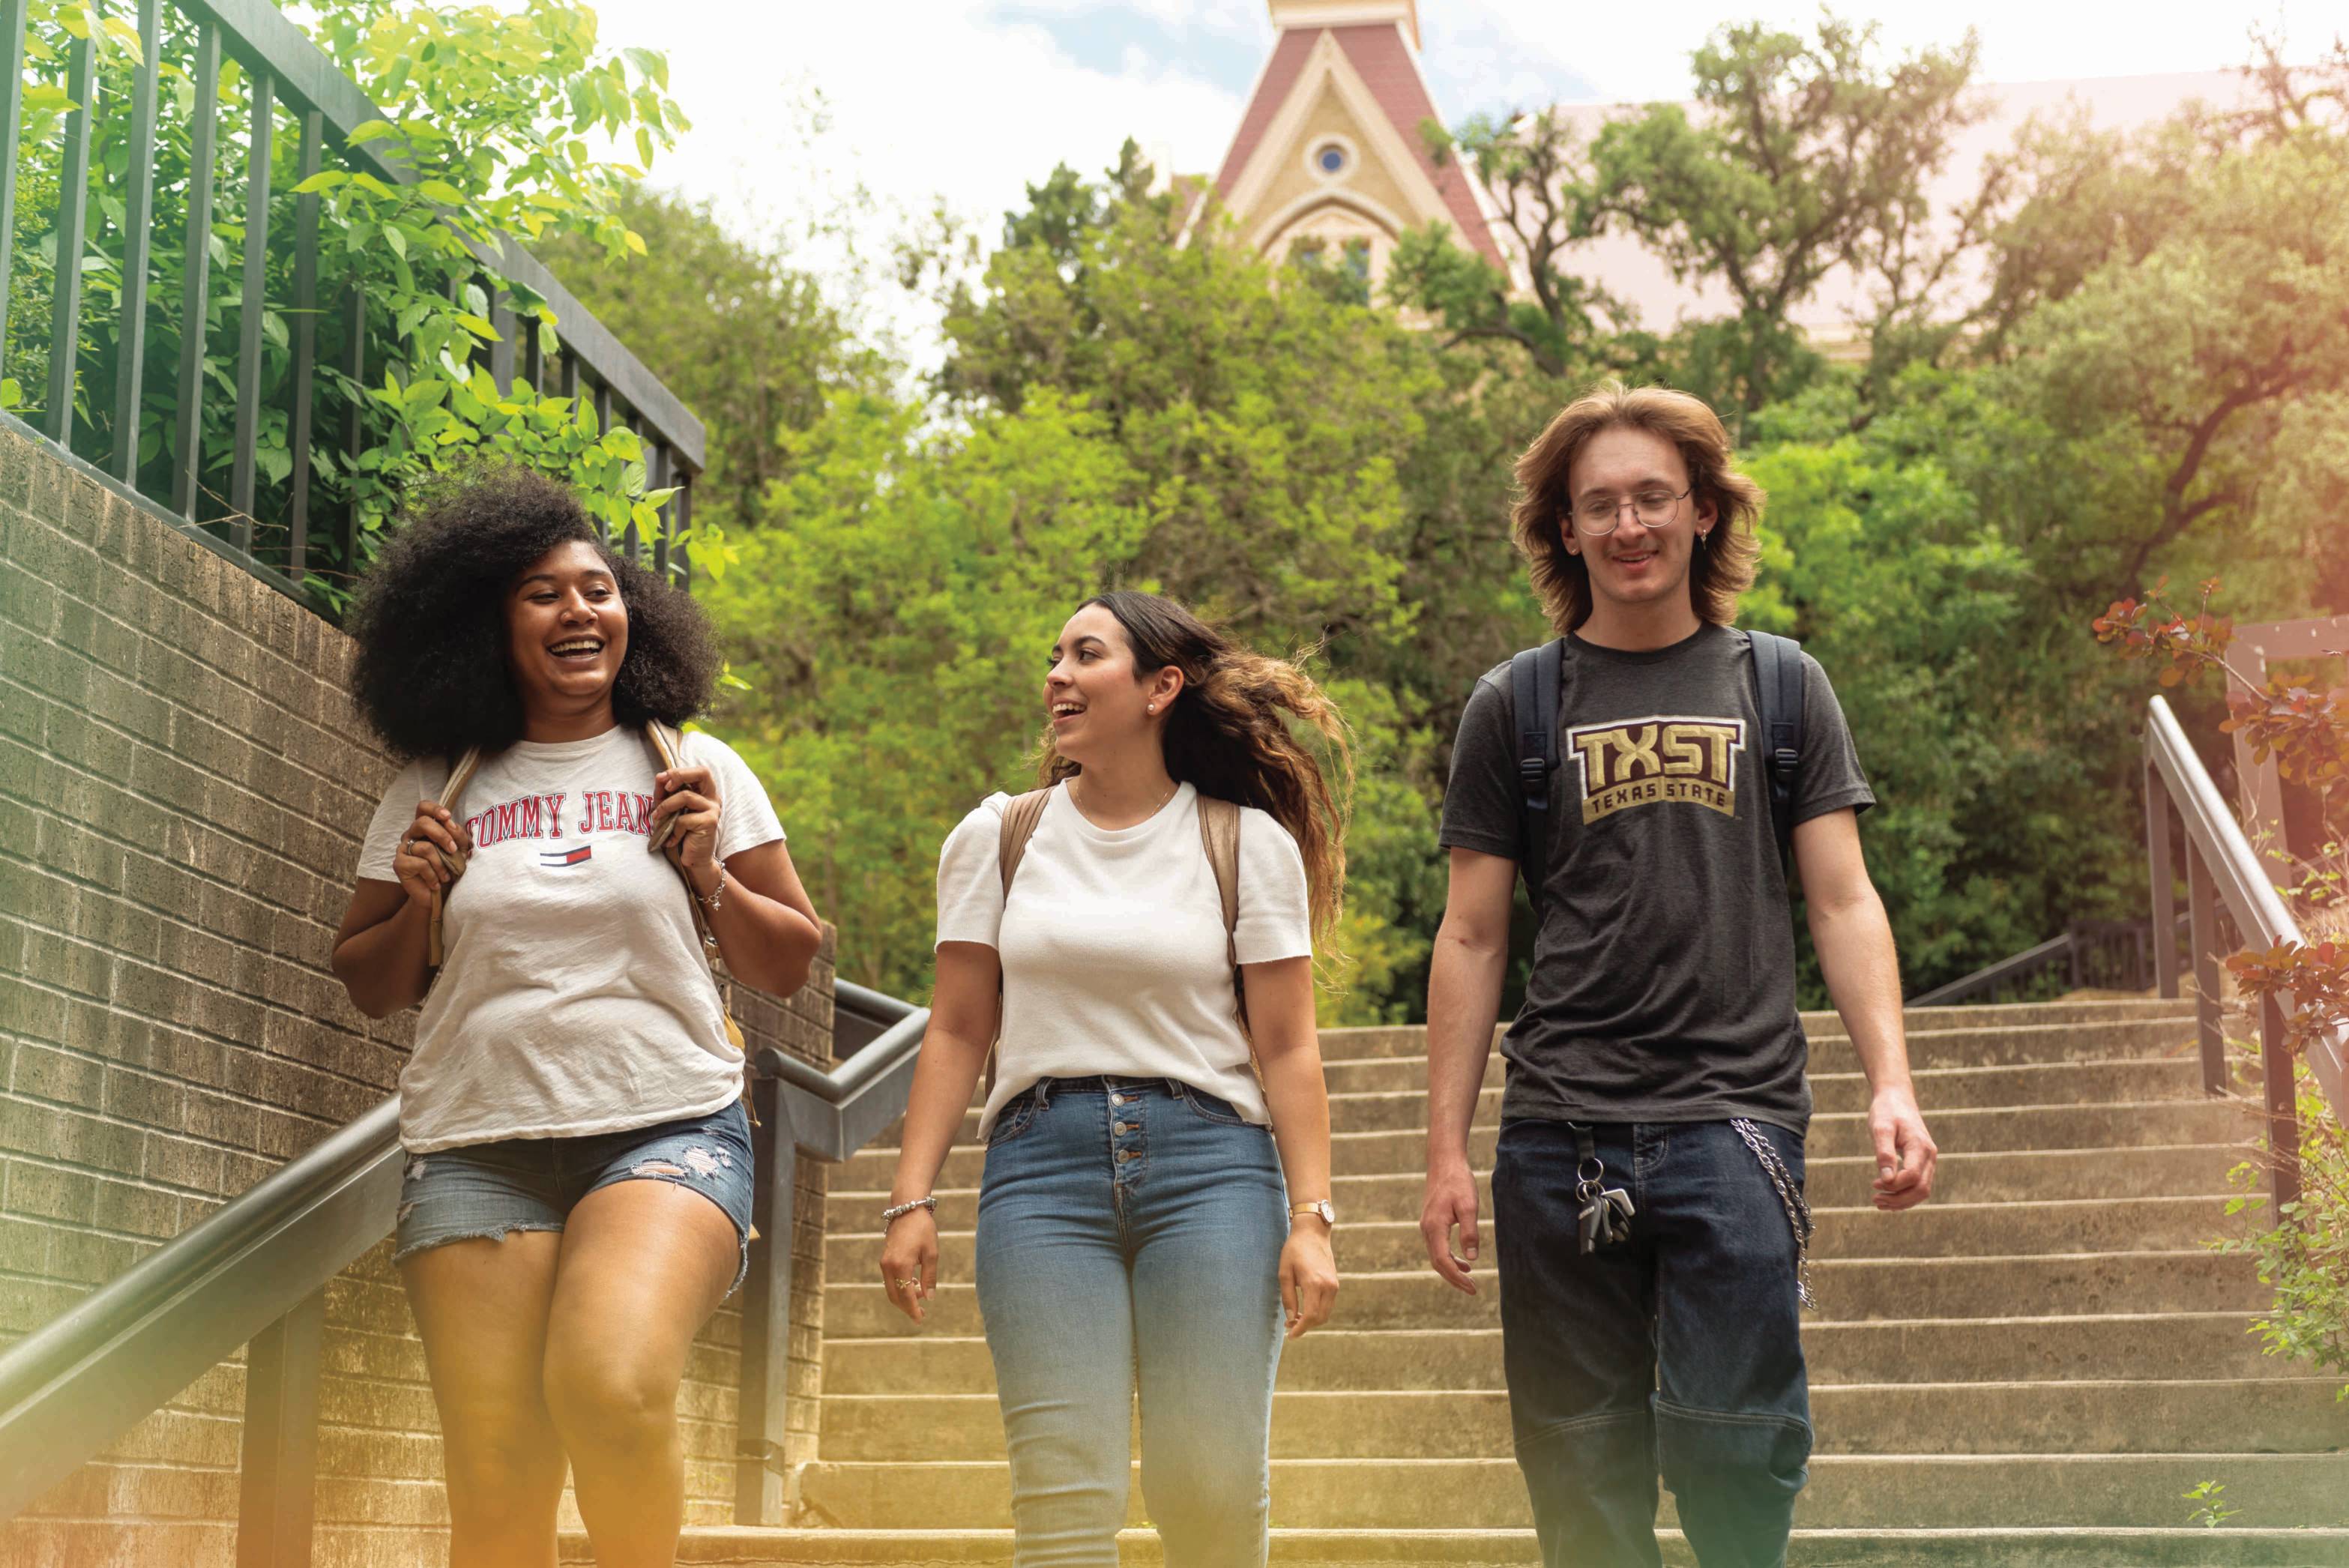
<point x="184" y="784"/>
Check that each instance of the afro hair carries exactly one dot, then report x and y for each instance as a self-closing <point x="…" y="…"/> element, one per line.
<point x="432" y="673"/>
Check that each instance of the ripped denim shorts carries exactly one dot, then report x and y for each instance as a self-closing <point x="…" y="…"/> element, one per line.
<point x="492" y="1190"/>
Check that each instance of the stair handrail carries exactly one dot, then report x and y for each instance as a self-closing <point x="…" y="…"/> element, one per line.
<point x="79" y="1381"/>
<point x="255" y="1271"/>
<point x="2222" y="867"/>
<point x="830" y="1114"/>
<point x="2030" y="962"/>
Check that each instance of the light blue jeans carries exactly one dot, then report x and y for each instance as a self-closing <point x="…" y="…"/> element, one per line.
<point x="1132" y="1226"/>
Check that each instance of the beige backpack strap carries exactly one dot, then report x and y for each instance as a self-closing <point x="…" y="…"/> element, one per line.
<point x="668" y="747"/>
<point x="1020" y="820"/>
<point x="459" y="777"/>
<point x="1219" y="833"/>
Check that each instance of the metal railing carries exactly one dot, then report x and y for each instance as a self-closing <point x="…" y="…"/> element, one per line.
<point x="2103" y="955"/>
<point x="254" y="1273"/>
<point x="288" y="76"/>
<point x="2223" y="873"/>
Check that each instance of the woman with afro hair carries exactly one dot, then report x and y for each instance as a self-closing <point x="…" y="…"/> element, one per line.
<point x="577" y="1196"/>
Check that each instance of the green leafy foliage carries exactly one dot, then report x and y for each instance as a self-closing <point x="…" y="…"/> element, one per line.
<point x="495" y="116"/>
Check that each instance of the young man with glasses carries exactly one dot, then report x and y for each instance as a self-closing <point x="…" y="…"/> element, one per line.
<point x="1647" y="1193"/>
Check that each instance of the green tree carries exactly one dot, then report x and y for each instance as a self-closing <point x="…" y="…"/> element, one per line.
<point x="1802" y="155"/>
<point x="748" y="340"/>
<point x="2199" y="365"/>
<point x="496" y="116"/>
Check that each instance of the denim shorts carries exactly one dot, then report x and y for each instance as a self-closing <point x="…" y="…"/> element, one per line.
<point x="493" y="1190"/>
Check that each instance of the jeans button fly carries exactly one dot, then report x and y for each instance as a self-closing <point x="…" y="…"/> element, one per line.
<point x="1117" y="1100"/>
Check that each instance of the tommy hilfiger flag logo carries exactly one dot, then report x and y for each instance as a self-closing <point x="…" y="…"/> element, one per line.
<point x="565" y="857"/>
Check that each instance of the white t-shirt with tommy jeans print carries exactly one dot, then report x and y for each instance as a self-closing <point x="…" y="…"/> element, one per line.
<point x="573" y="996"/>
<point x="1112" y="945"/>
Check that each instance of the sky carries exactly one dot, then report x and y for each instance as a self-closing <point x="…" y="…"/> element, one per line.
<point x="832" y="127"/>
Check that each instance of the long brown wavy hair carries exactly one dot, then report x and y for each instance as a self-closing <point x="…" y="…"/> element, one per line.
<point x="1227" y="736"/>
<point x="1722" y="566"/>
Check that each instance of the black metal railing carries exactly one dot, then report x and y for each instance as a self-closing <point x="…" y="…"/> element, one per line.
<point x="2224" y="878"/>
<point x="2090" y="955"/>
<point x="288" y="79"/>
<point x="255" y="1271"/>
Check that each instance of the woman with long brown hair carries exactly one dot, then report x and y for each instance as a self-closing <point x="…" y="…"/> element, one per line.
<point x="1155" y="1198"/>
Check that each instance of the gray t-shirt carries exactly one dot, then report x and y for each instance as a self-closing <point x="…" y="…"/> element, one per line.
<point x="1663" y="975"/>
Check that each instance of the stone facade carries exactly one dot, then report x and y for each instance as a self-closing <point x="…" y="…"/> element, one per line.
<point x="183" y="786"/>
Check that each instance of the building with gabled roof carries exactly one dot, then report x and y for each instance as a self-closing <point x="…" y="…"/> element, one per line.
<point x="1330" y="158"/>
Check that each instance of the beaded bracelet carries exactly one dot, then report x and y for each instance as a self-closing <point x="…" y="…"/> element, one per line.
<point x="931" y="1203"/>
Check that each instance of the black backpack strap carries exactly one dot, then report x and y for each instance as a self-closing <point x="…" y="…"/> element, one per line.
<point x="1533" y="678"/>
<point x="1778" y="694"/>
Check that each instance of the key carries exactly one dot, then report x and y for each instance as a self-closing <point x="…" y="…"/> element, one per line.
<point x="1618" y="1205"/>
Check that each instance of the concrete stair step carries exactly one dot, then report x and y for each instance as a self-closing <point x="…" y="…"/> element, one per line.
<point x="1983" y="1548"/>
<point x="2175" y="1346"/>
<point x="2296" y="1416"/>
<point x="1999" y="1014"/>
<point x="1846" y="1492"/>
<point x="2137" y="1081"/>
<point x="1938" y="1037"/>
<point x="1848" y="1290"/>
<point x="2178" y="1077"/>
<point x="1935" y="1230"/>
<point x="2003" y="1130"/>
<point x="2026" y="1176"/>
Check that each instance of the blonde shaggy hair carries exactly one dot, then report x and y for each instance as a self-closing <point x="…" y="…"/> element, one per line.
<point x="1723" y="567"/>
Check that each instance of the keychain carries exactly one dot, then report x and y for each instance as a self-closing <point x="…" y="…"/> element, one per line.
<point x="1605" y="1218"/>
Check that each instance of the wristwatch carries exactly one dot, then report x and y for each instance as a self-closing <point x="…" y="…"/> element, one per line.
<point x="1319" y="1206"/>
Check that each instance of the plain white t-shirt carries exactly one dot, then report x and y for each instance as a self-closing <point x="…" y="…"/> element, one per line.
<point x="1113" y="947"/>
<point x="573" y="996"/>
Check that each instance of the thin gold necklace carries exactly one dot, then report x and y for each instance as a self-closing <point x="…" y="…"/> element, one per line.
<point x="1145" y="816"/>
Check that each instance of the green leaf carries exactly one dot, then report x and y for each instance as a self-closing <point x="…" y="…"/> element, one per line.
<point x="644" y="147"/>
<point x="440" y="190"/>
<point x="632" y="478"/>
<point x="653" y="63"/>
<point x="325" y="179"/>
<point x="370" y="130"/>
<point x="479" y="327"/>
<point x="584" y="419"/>
<point x="373" y="186"/>
<point x="635" y="242"/>
<point x="12" y="395"/>
<point x="397" y="238"/>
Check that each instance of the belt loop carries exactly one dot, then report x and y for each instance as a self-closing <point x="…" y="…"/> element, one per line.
<point x="1043" y="1094"/>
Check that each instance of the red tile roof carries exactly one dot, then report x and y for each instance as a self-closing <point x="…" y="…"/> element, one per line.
<point x="1384" y="62"/>
<point x="1271" y="91"/>
<point x="1383" y="59"/>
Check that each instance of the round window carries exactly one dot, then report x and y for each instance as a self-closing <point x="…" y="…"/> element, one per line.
<point x="1331" y="160"/>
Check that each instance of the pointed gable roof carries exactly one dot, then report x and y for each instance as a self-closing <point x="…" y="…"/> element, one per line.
<point x="1387" y="68"/>
<point x="1378" y="58"/>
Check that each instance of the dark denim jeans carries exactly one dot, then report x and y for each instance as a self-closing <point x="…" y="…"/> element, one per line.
<point x="1678" y="1351"/>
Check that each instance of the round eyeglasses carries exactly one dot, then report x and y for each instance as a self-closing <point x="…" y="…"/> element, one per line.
<point x="1599" y="515"/>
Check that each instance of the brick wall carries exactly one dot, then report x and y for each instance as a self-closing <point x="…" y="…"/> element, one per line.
<point x="184" y="784"/>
